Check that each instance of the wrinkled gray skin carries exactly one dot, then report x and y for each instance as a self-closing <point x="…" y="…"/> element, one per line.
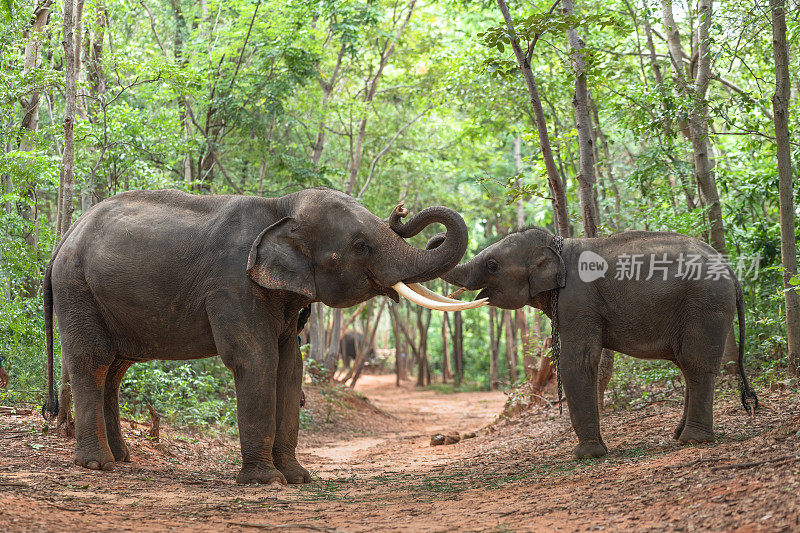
<point x="682" y="320"/>
<point x="350" y="345"/>
<point x="169" y="275"/>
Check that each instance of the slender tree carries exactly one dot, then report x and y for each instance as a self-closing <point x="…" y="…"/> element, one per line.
<point x="580" y="101"/>
<point x="553" y="177"/>
<point x="780" y="107"/>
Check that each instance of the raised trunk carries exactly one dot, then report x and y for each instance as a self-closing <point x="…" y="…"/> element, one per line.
<point x="780" y="107"/>
<point x="422" y="265"/>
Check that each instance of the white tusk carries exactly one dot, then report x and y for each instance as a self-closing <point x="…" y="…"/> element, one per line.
<point x="406" y="292"/>
<point x="424" y="291"/>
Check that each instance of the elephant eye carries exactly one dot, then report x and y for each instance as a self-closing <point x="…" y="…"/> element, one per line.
<point x="492" y="266"/>
<point x="360" y="247"/>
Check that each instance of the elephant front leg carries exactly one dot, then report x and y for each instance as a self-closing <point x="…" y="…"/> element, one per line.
<point x="248" y="345"/>
<point x="580" y="358"/>
<point x="287" y="413"/>
<point x="255" y="410"/>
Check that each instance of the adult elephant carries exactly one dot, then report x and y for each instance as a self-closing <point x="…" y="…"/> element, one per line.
<point x="169" y="275"/>
<point x="349" y="346"/>
<point x="650" y="295"/>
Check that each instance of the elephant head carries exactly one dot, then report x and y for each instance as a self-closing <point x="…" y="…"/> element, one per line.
<point x="513" y="272"/>
<point x="327" y="247"/>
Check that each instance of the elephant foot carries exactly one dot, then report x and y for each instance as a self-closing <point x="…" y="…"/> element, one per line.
<point x="678" y="430"/>
<point x="263" y="475"/>
<point x="691" y="435"/>
<point x="589" y="449"/>
<point x="120" y="451"/>
<point x="93" y="458"/>
<point x="292" y="471"/>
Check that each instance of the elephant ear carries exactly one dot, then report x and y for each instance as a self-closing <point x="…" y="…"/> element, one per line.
<point x="277" y="261"/>
<point x="547" y="271"/>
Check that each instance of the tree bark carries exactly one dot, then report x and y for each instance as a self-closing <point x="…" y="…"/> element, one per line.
<point x="511" y="347"/>
<point x="698" y="129"/>
<point x="398" y="348"/>
<point x="28" y="129"/>
<point x="94" y="189"/>
<point x="72" y="48"/>
<point x="556" y="184"/>
<point x="458" y="348"/>
<point x="446" y="373"/>
<point x="368" y="341"/>
<point x="494" y="345"/>
<point x="580" y="101"/>
<point x="780" y="107"/>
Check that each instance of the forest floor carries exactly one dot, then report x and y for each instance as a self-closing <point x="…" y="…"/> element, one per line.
<point x="380" y="473"/>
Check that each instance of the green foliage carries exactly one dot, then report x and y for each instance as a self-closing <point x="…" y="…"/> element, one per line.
<point x="235" y="98"/>
<point x="195" y="393"/>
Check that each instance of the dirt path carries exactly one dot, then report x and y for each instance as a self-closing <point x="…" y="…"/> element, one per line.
<point x="517" y="476"/>
<point x="419" y="414"/>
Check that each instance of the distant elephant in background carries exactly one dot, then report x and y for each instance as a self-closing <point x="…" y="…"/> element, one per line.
<point x="349" y="346"/>
<point x="169" y="275"/>
<point x="635" y="293"/>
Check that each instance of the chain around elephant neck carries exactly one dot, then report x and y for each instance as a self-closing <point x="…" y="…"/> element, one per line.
<point x="555" y="353"/>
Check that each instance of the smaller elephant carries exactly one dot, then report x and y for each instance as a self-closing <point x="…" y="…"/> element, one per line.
<point x="349" y="346"/>
<point x="651" y="295"/>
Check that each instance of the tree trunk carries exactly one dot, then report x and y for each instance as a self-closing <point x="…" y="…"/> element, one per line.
<point x="369" y="93"/>
<point x="368" y="341"/>
<point x="518" y="168"/>
<point x="332" y="354"/>
<point x="545" y="373"/>
<point x="586" y="176"/>
<point x="28" y="130"/>
<point x="316" y="336"/>
<point x="423" y="367"/>
<point x="651" y="48"/>
<point x="72" y="48"/>
<point x="556" y="184"/>
<point x="511" y="347"/>
<point x="698" y="131"/>
<point x="446" y="373"/>
<point x="780" y="107"/>
<point x="94" y="189"/>
<point x="494" y="348"/>
<point x="458" y="348"/>
<point x="398" y="348"/>
<point x="525" y="340"/>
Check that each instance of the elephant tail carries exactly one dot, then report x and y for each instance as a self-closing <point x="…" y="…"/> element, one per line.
<point x="746" y="391"/>
<point x="50" y="408"/>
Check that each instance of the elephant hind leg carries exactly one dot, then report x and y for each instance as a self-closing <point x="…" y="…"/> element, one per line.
<point x="111" y="410"/>
<point x="86" y="350"/>
<point x="682" y="424"/>
<point x="604" y="371"/>
<point x="699" y="359"/>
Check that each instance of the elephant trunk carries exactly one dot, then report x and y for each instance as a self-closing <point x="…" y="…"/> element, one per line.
<point x="417" y="265"/>
<point x="465" y="275"/>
